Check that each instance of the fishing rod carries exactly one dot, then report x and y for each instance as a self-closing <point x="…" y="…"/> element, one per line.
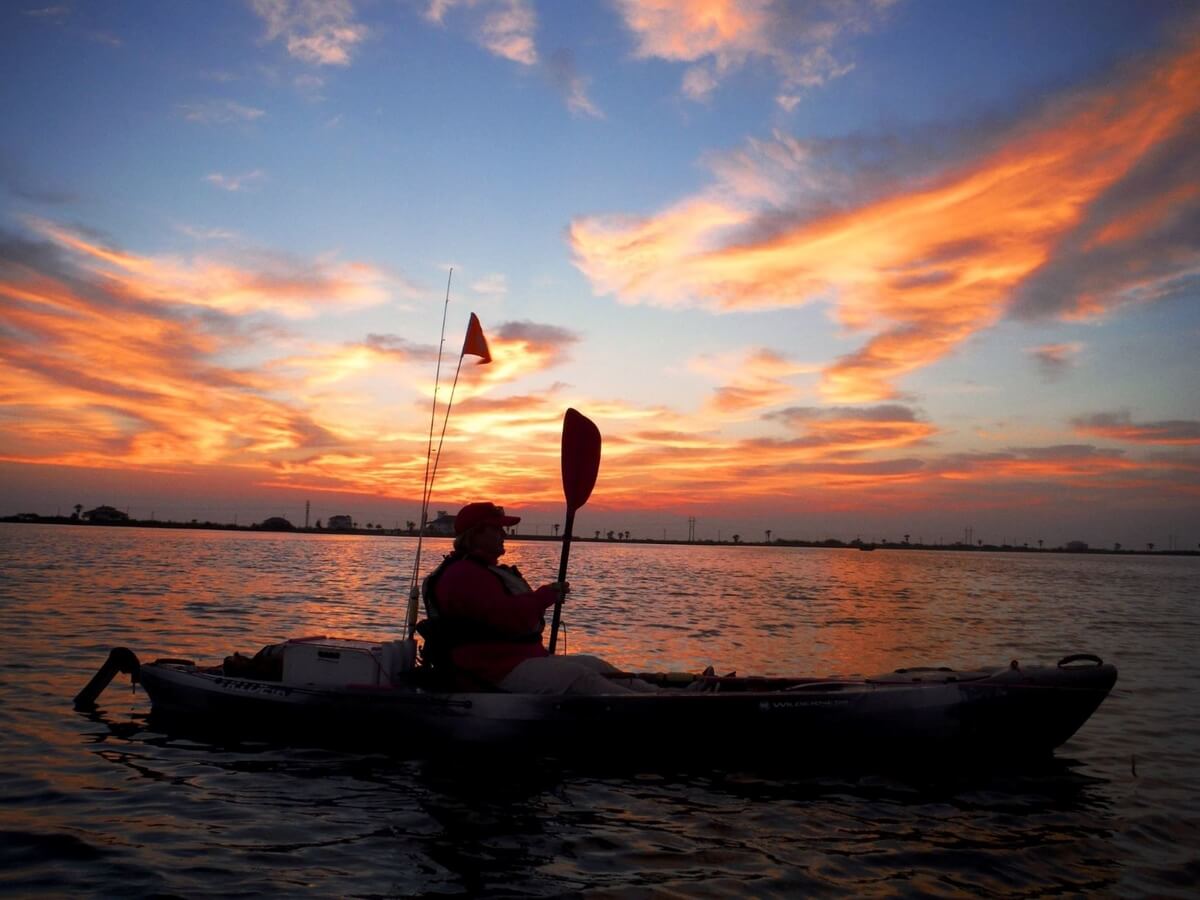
<point x="414" y="592"/>
<point x="475" y="344"/>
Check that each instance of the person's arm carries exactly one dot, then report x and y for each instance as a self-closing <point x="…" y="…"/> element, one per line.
<point x="471" y="591"/>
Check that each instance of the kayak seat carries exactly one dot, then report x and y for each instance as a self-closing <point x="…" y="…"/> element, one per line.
<point x="434" y="656"/>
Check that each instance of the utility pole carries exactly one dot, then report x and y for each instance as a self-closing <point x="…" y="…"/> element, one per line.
<point x="306" y="507"/>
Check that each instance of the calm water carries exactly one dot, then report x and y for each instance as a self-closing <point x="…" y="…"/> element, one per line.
<point x="99" y="804"/>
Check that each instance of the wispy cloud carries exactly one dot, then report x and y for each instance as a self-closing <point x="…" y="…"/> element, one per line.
<point x="925" y="264"/>
<point x="716" y="37"/>
<point x="320" y="32"/>
<point x="505" y="28"/>
<point x="54" y="14"/>
<point x="107" y="38"/>
<point x="492" y="285"/>
<point x="573" y="86"/>
<point x="524" y="347"/>
<point x="205" y="234"/>
<point x="236" y="183"/>
<point x="754" y="379"/>
<point x="105" y="379"/>
<point x="20" y="182"/>
<point x="270" y="283"/>
<point x="1055" y="360"/>
<point x="508" y="29"/>
<point x="839" y="430"/>
<point x="219" y="112"/>
<point x="120" y="359"/>
<point x="1119" y="426"/>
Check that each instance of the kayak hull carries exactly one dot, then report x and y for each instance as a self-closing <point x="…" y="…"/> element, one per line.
<point x="1009" y="712"/>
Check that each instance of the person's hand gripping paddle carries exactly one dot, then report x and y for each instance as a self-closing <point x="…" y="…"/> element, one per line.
<point x="580" y="465"/>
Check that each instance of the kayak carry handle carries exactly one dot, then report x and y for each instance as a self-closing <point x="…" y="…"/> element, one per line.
<point x="120" y="659"/>
<point x="1080" y="657"/>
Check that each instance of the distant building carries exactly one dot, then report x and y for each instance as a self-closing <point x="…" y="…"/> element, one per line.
<point x="1076" y="546"/>
<point x="106" y="514"/>
<point x="343" y="522"/>
<point x="443" y="525"/>
<point x="277" y="523"/>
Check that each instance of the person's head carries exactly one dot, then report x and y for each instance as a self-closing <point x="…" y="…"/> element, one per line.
<point x="479" y="528"/>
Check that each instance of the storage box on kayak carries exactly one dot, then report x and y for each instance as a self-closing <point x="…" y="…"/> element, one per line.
<point x="332" y="662"/>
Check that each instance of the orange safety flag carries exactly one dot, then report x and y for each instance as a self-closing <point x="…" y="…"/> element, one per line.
<point x="475" y="343"/>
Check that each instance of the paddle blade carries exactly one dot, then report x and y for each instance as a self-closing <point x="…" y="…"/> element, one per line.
<point x="580" y="458"/>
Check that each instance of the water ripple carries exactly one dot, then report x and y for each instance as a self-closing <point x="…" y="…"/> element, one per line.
<point x="104" y="804"/>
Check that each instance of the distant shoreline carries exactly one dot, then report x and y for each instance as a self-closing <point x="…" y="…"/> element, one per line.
<point x="825" y="544"/>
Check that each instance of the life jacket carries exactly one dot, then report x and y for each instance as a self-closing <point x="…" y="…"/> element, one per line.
<point x="443" y="633"/>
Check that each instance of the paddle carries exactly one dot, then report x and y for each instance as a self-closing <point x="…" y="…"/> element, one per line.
<point x="580" y="464"/>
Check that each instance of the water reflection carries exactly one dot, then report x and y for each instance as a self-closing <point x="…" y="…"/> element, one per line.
<point x="484" y="826"/>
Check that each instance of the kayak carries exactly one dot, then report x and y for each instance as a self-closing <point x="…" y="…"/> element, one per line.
<point x="339" y="690"/>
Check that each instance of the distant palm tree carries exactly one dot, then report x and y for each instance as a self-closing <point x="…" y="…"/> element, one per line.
<point x="1150" y="547"/>
<point x="556" y="529"/>
<point x="78" y="509"/>
<point x="768" y="535"/>
<point x="411" y="526"/>
<point x="597" y="534"/>
<point x="737" y="538"/>
<point x="1039" y="543"/>
<point x="906" y="539"/>
<point x="609" y="534"/>
<point x="1117" y="547"/>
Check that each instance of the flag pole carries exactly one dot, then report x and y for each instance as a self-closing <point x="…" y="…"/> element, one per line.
<point x="472" y="328"/>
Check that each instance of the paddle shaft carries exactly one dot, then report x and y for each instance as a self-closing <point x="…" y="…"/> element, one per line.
<point x="562" y="576"/>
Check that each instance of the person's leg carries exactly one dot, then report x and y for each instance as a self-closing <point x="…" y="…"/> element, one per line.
<point x="543" y="675"/>
<point x="604" y="667"/>
<point x="593" y="663"/>
<point x="569" y="675"/>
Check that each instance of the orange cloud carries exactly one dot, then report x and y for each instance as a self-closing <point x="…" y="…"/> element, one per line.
<point x="834" y="431"/>
<point x="276" y="285"/>
<point x="115" y="360"/>
<point x="98" y="376"/>
<point x="1147" y="215"/>
<point x="759" y="380"/>
<point x="924" y="268"/>
<point x="686" y="31"/>
<point x="1120" y="427"/>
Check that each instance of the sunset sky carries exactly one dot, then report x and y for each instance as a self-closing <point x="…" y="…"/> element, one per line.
<point x="843" y="268"/>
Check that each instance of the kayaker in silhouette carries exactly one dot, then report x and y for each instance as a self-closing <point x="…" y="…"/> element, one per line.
<point x="485" y="621"/>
